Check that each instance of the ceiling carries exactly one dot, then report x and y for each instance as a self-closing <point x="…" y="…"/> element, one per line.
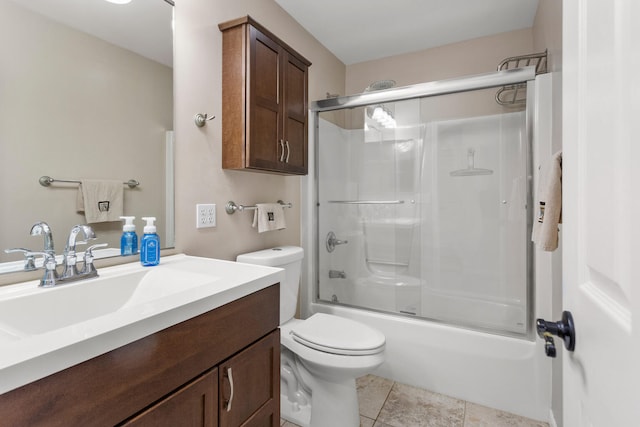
<point x="354" y="30"/>
<point x="142" y="26"/>
<point x="363" y="30"/>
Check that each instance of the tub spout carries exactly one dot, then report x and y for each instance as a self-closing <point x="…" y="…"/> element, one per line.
<point x="335" y="274"/>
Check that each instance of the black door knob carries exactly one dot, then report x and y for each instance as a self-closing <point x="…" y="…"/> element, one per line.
<point x="563" y="329"/>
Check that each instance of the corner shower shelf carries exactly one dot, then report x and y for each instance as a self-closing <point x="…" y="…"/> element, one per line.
<point x="516" y="95"/>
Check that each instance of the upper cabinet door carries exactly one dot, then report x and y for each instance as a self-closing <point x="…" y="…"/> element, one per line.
<point x="295" y="115"/>
<point x="265" y="101"/>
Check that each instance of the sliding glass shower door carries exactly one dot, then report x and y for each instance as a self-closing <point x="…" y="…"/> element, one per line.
<point x="422" y="210"/>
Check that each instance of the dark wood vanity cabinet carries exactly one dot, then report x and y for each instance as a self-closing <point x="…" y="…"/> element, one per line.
<point x="195" y="404"/>
<point x="264" y="101"/>
<point x="242" y="391"/>
<point x="180" y="376"/>
<point x="254" y="399"/>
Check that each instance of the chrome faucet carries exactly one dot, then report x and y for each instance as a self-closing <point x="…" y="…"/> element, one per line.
<point x="89" y="270"/>
<point x="70" y="270"/>
<point x="50" y="277"/>
<point x="332" y="241"/>
<point x="42" y="229"/>
<point x="29" y="257"/>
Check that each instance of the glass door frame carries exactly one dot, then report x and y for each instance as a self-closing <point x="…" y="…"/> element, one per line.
<point x="430" y="89"/>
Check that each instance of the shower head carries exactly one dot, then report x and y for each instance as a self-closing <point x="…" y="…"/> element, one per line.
<point x="471" y="169"/>
<point x="380" y="85"/>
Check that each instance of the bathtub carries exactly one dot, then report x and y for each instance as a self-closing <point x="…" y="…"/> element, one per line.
<point x="486" y="369"/>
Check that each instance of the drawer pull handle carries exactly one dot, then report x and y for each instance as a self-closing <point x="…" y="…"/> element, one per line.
<point x="230" y="376"/>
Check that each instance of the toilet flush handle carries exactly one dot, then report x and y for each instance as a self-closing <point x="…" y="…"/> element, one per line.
<point x="229" y="375"/>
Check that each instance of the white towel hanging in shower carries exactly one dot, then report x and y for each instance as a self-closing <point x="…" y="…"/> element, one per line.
<point x="548" y="209"/>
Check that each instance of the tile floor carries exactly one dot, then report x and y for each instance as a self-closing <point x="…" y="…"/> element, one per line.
<point x="385" y="403"/>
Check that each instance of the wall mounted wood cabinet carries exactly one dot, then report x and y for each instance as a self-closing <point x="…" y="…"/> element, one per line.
<point x="264" y="101"/>
<point x="179" y="376"/>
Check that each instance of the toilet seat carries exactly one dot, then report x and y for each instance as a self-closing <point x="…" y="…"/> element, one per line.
<point x="338" y="335"/>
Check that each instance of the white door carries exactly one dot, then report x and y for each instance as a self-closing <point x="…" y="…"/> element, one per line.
<point x="601" y="211"/>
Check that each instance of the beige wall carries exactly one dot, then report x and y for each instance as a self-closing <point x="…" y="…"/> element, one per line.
<point x="476" y="56"/>
<point x="199" y="176"/>
<point x="73" y="106"/>
<point x="547" y="32"/>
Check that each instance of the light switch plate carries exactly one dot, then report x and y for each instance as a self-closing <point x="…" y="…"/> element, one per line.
<point x="205" y="215"/>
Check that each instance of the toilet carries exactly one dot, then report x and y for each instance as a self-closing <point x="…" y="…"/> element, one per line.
<point x="322" y="356"/>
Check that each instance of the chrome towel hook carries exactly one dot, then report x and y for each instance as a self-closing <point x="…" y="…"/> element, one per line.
<point x="202" y="119"/>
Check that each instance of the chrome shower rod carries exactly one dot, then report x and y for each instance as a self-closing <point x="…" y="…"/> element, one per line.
<point x="441" y="87"/>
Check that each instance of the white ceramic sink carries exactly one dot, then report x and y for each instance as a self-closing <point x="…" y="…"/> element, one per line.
<point x="54" y="308"/>
<point x="43" y="330"/>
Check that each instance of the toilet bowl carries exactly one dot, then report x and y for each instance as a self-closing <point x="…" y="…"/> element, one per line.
<point x="322" y="356"/>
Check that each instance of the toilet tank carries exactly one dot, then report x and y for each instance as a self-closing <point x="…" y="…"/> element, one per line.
<point x="289" y="258"/>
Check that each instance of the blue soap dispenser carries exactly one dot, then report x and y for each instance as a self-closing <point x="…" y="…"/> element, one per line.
<point x="129" y="239"/>
<point x="150" y="244"/>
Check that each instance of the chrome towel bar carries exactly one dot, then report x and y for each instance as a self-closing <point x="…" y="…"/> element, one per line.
<point x="46" y="181"/>
<point x="231" y="207"/>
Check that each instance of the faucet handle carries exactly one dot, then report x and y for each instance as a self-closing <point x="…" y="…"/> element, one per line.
<point x="89" y="269"/>
<point x="29" y="257"/>
<point x="50" y="273"/>
<point x="88" y="253"/>
<point x="49" y="259"/>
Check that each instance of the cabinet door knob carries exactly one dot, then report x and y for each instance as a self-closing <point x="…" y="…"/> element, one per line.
<point x="282" y="150"/>
<point x="229" y="375"/>
<point x="288" y="151"/>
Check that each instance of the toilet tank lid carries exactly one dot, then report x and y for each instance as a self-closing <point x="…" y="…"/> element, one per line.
<point x="273" y="257"/>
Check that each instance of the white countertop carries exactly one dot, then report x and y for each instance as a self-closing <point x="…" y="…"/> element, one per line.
<point x="43" y="331"/>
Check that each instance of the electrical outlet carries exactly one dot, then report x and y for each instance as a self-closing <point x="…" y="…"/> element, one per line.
<point x="205" y="215"/>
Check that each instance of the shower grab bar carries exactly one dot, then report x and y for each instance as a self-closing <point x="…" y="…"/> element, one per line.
<point x="367" y="202"/>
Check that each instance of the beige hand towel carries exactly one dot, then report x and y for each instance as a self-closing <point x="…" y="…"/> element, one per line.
<point x="101" y="200"/>
<point x="548" y="205"/>
<point x="268" y="217"/>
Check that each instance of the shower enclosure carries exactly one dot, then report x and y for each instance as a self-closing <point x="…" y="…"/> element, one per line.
<point x="422" y="203"/>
